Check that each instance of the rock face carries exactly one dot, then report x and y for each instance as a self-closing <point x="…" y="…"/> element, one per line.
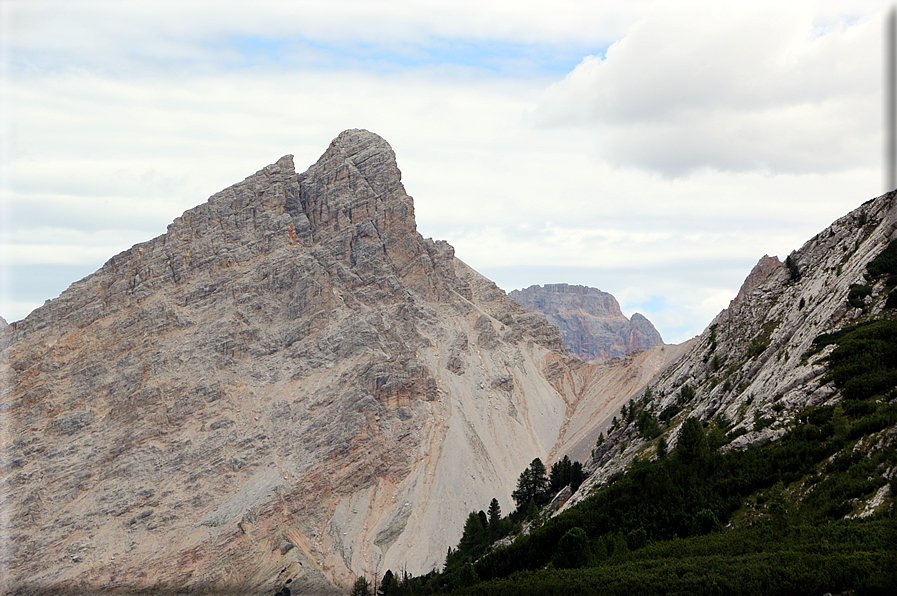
<point x="592" y="325"/>
<point x="291" y="383"/>
<point x="758" y="274"/>
<point x="749" y="364"/>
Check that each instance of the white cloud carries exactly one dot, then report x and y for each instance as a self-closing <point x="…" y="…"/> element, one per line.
<point x="120" y="116"/>
<point x="734" y="86"/>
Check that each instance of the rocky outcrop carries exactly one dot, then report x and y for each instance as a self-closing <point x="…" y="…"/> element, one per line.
<point x="758" y="274"/>
<point x="593" y="327"/>
<point x="290" y="383"/>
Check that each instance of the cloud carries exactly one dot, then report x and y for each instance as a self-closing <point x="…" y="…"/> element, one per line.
<point x="120" y="116"/>
<point x="733" y="87"/>
<point x="184" y="37"/>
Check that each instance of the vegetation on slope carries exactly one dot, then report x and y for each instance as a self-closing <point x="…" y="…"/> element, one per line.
<point x="659" y="529"/>
<point x="810" y="513"/>
<point x="777" y="519"/>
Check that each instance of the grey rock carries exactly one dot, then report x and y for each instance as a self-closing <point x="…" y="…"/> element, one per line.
<point x="591" y="323"/>
<point x="749" y="361"/>
<point x="291" y="360"/>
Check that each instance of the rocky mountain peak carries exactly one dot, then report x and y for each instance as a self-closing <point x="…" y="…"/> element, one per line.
<point x="356" y="181"/>
<point x="290" y="381"/>
<point x="592" y="325"/>
<point x="764" y="267"/>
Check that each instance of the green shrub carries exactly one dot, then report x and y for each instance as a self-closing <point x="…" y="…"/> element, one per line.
<point x="573" y="550"/>
<point x="686" y="394"/>
<point x="647" y="425"/>
<point x="885" y="262"/>
<point x="856" y="294"/>
<point x="793" y="270"/>
<point x="761" y="422"/>
<point x="669" y="412"/>
<point x="891" y="302"/>
<point x="865" y="362"/>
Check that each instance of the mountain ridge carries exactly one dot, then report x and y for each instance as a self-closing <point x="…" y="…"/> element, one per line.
<point x="750" y="365"/>
<point x="290" y="382"/>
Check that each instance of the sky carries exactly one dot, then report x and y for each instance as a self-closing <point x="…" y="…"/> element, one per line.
<point x="654" y="150"/>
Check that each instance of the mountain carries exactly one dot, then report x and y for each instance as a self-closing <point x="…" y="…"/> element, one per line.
<point x="763" y="460"/>
<point x="289" y="384"/>
<point x="759" y="364"/>
<point x="592" y="325"/>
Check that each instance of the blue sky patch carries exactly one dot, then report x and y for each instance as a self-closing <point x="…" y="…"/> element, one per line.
<point x="652" y="304"/>
<point x="258" y="49"/>
<point x="496" y="57"/>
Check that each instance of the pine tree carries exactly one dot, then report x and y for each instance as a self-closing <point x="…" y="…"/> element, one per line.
<point x="531" y="511"/>
<point x="532" y="485"/>
<point x="386" y="583"/>
<point x="839" y="422"/>
<point x="576" y="476"/>
<point x="692" y="443"/>
<point x="523" y="494"/>
<point x="473" y="540"/>
<point x="560" y="475"/>
<point x="494" y="521"/>
<point x="630" y="414"/>
<point x="361" y="587"/>
<point x="467" y="576"/>
<point x="539" y="476"/>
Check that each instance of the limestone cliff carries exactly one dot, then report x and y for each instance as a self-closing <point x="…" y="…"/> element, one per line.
<point x="291" y="383"/>
<point x="592" y="325"/>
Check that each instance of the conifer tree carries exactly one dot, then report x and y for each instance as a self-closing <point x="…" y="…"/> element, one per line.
<point x="361" y="587"/>
<point x="494" y="520"/>
<point x="532" y="485"/>
<point x="531" y="510"/>
<point x="560" y="474"/>
<point x="692" y="443"/>
<point x="386" y="583"/>
<point x="473" y="540"/>
<point x="576" y="476"/>
<point x="839" y="422"/>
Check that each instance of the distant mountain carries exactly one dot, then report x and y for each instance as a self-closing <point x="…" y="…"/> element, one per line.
<point x="593" y="327"/>
<point x="290" y="383"/>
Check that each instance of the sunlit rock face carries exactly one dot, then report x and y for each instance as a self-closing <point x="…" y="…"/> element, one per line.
<point x="592" y="326"/>
<point x="291" y="383"/>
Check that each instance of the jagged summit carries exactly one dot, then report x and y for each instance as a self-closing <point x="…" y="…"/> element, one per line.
<point x="592" y="325"/>
<point x="290" y="381"/>
<point x="760" y="272"/>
